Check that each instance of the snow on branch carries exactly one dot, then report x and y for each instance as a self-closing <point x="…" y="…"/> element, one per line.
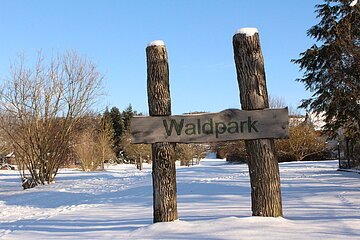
<point x="353" y="3"/>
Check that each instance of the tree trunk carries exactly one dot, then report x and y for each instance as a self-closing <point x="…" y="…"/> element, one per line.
<point x="263" y="164"/>
<point x="164" y="172"/>
<point x="103" y="159"/>
<point x="140" y="163"/>
<point x="347" y="151"/>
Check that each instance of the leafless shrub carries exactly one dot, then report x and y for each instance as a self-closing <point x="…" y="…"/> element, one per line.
<point x="40" y="106"/>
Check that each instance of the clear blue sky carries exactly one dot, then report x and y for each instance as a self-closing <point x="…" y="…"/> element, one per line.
<point x="197" y="33"/>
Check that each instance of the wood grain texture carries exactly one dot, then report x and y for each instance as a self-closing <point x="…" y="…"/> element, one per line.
<point x="230" y="124"/>
<point x="263" y="165"/>
<point x="164" y="183"/>
<point x="158" y="85"/>
<point x="163" y="158"/>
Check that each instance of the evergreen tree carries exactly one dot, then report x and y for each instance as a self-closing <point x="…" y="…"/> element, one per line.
<point x="332" y="67"/>
<point x="127" y="114"/>
<point x="106" y="116"/>
<point x="118" y="129"/>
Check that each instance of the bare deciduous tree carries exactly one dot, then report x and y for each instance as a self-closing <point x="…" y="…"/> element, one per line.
<point x="86" y="151"/>
<point x="40" y="106"/>
<point x="104" y="140"/>
<point x="186" y="153"/>
<point x="134" y="152"/>
<point x="278" y="102"/>
<point x="4" y="144"/>
<point x="233" y="151"/>
<point x="93" y="143"/>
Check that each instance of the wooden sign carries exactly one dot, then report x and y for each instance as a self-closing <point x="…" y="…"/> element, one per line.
<point x="230" y="124"/>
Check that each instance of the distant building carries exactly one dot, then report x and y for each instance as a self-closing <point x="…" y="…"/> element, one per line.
<point x="318" y="120"/>
<point x="295" y="120"/>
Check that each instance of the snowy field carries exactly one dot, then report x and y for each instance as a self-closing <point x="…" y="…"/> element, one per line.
<point x="213" y="203"/>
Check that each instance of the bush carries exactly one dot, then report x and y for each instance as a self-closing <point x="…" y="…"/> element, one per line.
<point x="304" y="143"/>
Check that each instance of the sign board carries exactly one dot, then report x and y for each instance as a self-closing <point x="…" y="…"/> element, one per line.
<point x="230" y="124"/>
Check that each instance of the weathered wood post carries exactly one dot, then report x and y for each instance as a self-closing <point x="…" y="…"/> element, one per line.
<point x="263" y="164"/>
<point x="163" y="158"/>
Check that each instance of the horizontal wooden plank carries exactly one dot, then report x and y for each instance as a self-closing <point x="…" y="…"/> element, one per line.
<point x="230" y="124"/>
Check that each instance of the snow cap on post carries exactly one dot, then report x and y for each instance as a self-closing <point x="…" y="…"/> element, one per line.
<point x="247" y="31"/>
<point x="156" y="43"/>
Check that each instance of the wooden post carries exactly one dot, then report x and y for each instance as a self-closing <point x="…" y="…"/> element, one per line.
<point x="163" y="158"/>
<point x="262" y="162"/>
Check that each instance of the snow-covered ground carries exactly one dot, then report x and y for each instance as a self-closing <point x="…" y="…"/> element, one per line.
<point x="213" y="203"/>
